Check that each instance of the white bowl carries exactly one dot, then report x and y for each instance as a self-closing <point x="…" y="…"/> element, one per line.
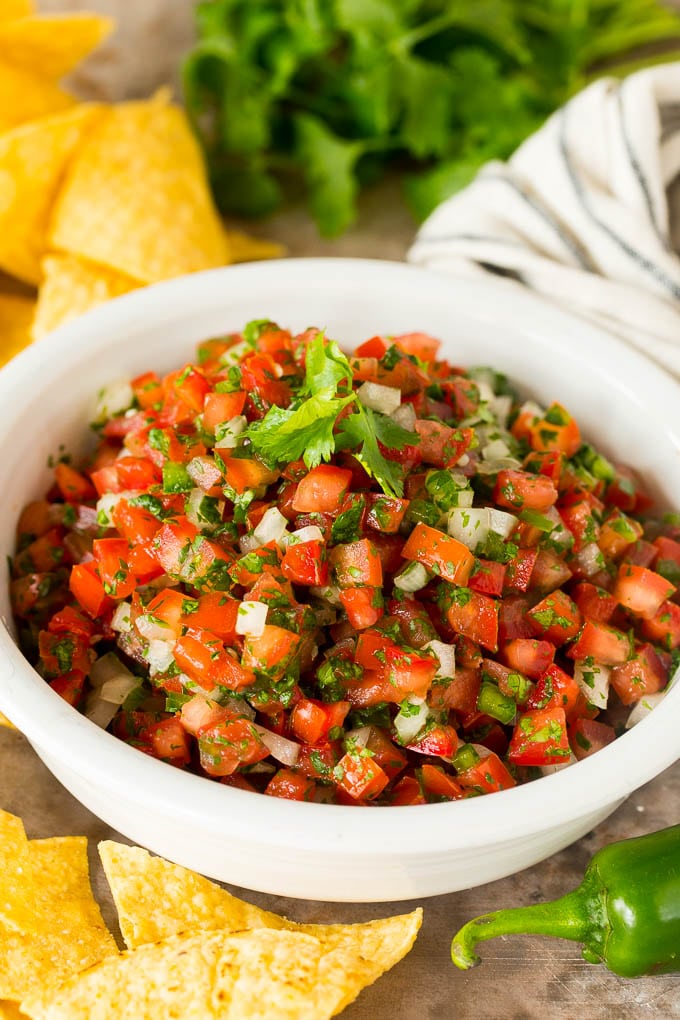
<point x="315" y="851"/>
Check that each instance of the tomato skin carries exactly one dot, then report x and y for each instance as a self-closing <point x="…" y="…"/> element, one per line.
<point x="664" y="627"/>
<point x="73" y="485"/>
<point x="540" y="738"/>
<point x="557" y="689"/>
<point x="642" y="675"/>
<point x="440" y="741"/>
<point x="270" y="652"/>
<point x="225" y="746"/>
<point x="641" y="591"/>
<point x="88" y="590"/>
<point x="169" y="741"/>
<point x="360" y="776"/>
<point x="322" y="489"/>
<point x="487" y="776"/>
<point x="311" y="720"/>
<point x="593" y="602"/>
<point x="291" y="785"/>
<point x="529" y="656"/>
<point x="446" y="556"/>
<point x="488" y="577"/>
<point x="305" y="563"/>
<point x="556" y="618"/>
<point x="605" y="644"/>
<point x="475" y="617"/>
<point x="357" y="563"/>
<point x="520" y="490"/>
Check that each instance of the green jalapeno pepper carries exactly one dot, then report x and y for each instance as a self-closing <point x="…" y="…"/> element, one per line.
<point x="626" y="911"/>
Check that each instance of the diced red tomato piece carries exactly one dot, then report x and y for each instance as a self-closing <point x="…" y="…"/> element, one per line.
<point x="88" y="590"/>
<point x="556" y="430"/>
<point x="69" y="686"/>
<point x="74" y="487"/>
<point x="545" y="462"/>
<point x="550" y="571"/>
<point x="270" y="652"/>
<point x="290" y="785"/>
<point x="513" y="621"/>
<point x="111" y="555"/>
<point x="664" y="627"/>
<point x="242" y="474"/>
<point x="385" y="514"/>
<point x="169" y="741"/>
<point x="641" y="591"/>
<point x="441" y="445"/>
<point x="445" y="556"/>
<point x="440" y="741"/>
<point x="356" y="563"/>
<point x="587" y="736"/>
<point x="474" y="616"/>
<point x="487" y="776"/>
<point x="311" y="720"/>
<point x="555" y="688"/>
<point x="488" y="577"/>
<point x="222" y="407"/>
<point x="522" y="490"/>
<point x="618" y="533"/>
<point x="579" y="518"/>
<point x="603" y="643"/>
<point x="147" y="389"/>
<point x="201" y="713"/>
<point x="642" y="675"/>
<point x="70" y="620"/>
<point x="62" y="653"/>
<point x="391" y="759"/>
<point x="360" y="776"/>
<point x="225" y="746"/>
<point x="438" y="784"/>
<point x="306" y="563"/>
<point x="42" y="555"/>
<point x="322" y="489"/>
<point x="556" y="618"/>
<point x="529" y="656"/>
<point x="540" y="738"/>
<point x="594" y="603"/>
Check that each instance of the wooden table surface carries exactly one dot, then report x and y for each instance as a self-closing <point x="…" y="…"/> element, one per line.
<point x="521" y="978"/>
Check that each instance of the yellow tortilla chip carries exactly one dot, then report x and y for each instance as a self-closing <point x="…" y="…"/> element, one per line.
<point x="16" y="910"/>
<point x="72" y="286"/>
<point x="26" y="95"/>
<point x="33" y="159"/>
<point x="69" y="932"/>
<point x="136" y="197"/>
<point x="52" y="43"/>
<point x="4" y="721"/>
<point x="251" y="975"/>
<point x="244" y="248"/>
<point x="10" y="1011"/>
<point x="156" y="900"/>
<point x="10" y="9"/>
<point x="16" y="316"/>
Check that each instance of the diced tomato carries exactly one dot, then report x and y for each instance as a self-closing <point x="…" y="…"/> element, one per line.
<point x="42" y="555"/>
<point x="111" y="555"/>
<point x="62" y="653"/>
<point x="414" y="621"/>
<point x="522" y="490"/>
<point x="406" y="792"/>
<point x="557" y="431"/>
<point x="545" y="462"/>
<point x="474" y="616"/>
<point x="169" y="741"/>
<point x="202" y="656"/>
<point x="488" y="577"/>
<point x="513" y="621"/>
<point x="549" y="572"/>
<point x="555" y="688"/>
<point x="147" y="389"/>
<point x="70" y="621"/>
<point x="222" y="407"/>
<point x="259" y="379"/>
<point x="487" y="776"/>
<point x="360" y="776"/>
<point x="642" y="675"/>
<point x="74" y="486"/>
<point x="593" y="602"/>
<point x="445" y="556"/>
<point x="556" y="618"/>
<point x="462" y="394"/>
<point x="291" y="785"/>
<point x="378" y="686"/>
<point x="248" y="569"/>
<point x="438" y="784"/>
<point x="460" y="693"/>
<point x="441" y="445"/>
<point x="667" y="549"/>
<point x="440" y="741"/>
<point x="375" y="347"/>
<point x="88" y="590"/>
<point x="587" y="736"/>
<point x="311" y="720"/>
<point x="225" y="746"/>
<point x="421" y="345"/>
<point x="305" y="563"/>
<point x="317" y="761"/>
<point x="664" y="627"/>
<point x="69" y="686"/>
<point x="201" y="713"/>
<point x="391" y="759"/>
<point x="641" y="591"/>
<point x="271" y="652"/>
<point x="579" y="518"/>
<point x="603" y="643"/>
<point x="371" y="647"/>
<point x="242" y="474"/>
<point x="216" y="612"/>
<point x="618" y="533"/>
<point x="540" y="738"/>
<point x="356" y="563"/>
<point x="529" y="656"/>
<point x="385" y="514"/>
<point x="322" y="489"/>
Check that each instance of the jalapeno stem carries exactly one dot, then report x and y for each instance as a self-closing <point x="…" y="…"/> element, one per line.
<point x="567" y="918"/>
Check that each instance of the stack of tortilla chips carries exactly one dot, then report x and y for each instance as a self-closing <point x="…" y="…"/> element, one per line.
<point x="95" y="200"/>
<point x="193" y="950"/>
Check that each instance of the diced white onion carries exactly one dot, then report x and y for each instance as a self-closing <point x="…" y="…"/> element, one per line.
<point x="408" y="726"/>
<point x="531" y="407"/>
<point x="113" y="399"/>
<point x="310" y="533"/>
<point x="284" y="750"/>
<point x="447" y="658"/>
<point x="492" y="467"/>
<point x="331" y="593"/>
<point x="469" y="525"/>
<point x="486" y="392"/>
<point x="496" y="450"/>
<point x="593" y="680"/>
<point x="643" y="707"/>
<point x="559" y="534"/>
<point x="106" y="503"/>
<point x="192" y="509"/>
<point x="99" y="711"/>
<point x="159" y="656"/>
<point x="501" y="522"/>
<point x="384" y="399"/>
<point x="154" y="629"/>
<point x="413" y="577"/>
<point x="405" y="416"/>
<point x="359" y="736"/>
<point x="247" y="543"/>
<point x="117" y="689"/>
<point x="500" y="407"/>
<point x="272" y="526"/>
<point x="120" y="621"/>
<point x="230" y="432"/>
<point x="201" y="471"/>
<point x="547" y="770"/>
<point x="589" y="559"/>
<point x="251" y="618"/>
<point x="107" y="667"/>
<point x="234" y="354"/>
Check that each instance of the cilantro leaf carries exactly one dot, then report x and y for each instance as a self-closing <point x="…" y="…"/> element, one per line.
<point x="326" y="367"/>
<point x="329" y="165"/>
<point x="363" y="432"/>
<point x="306" y="431"/>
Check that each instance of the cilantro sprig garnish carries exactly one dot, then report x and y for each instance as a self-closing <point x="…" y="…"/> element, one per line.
<point x="309" y="428"/>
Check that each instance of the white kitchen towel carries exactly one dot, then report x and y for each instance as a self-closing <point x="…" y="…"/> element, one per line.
<point x="580" y="213"/>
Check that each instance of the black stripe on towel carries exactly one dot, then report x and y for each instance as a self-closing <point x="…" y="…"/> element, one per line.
<point x="636" y="168"/>
<point x="641" y="260"/>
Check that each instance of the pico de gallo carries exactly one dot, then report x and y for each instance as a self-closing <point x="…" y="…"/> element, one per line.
<point x="375" y="579"/>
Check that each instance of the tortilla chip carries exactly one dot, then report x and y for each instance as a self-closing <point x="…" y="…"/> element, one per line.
<point x="16" y="910"/>
<point x="33" y="159"/>
<point x="53" y="43"/>
<point x="4" y="721"/>
<point x="10" y="9"/>
<point x="137" y="199"/>
<point x="72" y="286"/>
<point x="156" y="900"/>
<point x="10" y="1011"/>
<point x="26" y="95"/>
<point x="69" y="934"/>
<point x="16" y="316"/>
<point x="252" y="975"/>
<point x="244" y="248"/>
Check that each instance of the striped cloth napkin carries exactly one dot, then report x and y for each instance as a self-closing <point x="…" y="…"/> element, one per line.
<point x="580" y="213"/>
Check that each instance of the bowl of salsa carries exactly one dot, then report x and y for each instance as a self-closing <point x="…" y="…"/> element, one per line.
<point x="276" y="555"/>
